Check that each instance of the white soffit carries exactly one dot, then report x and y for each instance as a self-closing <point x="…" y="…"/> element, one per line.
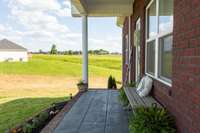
<point x="102" y="8"/>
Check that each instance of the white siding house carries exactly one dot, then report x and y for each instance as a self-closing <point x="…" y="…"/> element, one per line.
<point x="10" y="51"/>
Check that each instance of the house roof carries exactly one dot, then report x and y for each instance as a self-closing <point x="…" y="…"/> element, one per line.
<point x="6" y="45"/>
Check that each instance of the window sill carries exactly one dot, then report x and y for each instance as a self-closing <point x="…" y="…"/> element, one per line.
<point x="160" y="80"/>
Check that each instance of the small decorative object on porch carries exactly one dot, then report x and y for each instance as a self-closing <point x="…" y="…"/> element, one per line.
<point x="144" y="86"/>
<point x="112" y="83"/>
<point x="82" y="86"/>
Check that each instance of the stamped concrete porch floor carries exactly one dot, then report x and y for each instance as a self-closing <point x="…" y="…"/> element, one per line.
<point x="96" y="111"/>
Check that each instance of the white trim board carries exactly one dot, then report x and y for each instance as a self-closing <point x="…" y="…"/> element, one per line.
<point x="156" y="39"/>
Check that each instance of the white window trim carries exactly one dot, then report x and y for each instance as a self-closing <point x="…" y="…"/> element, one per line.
<point x="159" y="79"/>
<point x="138" y="21"/>
<point x="129" y="46"/>
<point x="156" y="38"/>
<point x="126" y="43"/>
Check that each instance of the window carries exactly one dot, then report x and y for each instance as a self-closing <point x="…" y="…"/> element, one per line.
<point x="165" y="15"/>
<point x="166" y="57"/>
<point x="151" y="57"/>
<point x="151" y="20"/>
<point x="159" y="27"/>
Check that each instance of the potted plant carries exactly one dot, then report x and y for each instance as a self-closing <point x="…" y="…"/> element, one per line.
<point x="112" y="83"/>
<point x="82" y="86"/>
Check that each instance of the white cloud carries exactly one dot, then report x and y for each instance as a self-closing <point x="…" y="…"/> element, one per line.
<point x="2" y="28"/>
<point x="110" y="43"/>
<point x="67" y="3"/>
<point x="42" y="5"/>
<point x="9" y="33"/>
<point x="35" y="15"/>
<point x="167" y="24"/>
<point x="39" y="19"/>
<point x="37" y="26"/>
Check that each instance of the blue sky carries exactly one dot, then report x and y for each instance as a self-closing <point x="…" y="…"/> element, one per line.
<point x="37" y="24"/>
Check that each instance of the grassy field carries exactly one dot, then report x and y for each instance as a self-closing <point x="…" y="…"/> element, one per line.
<point x="29" y="87"/>
<point x="61" y="65"/>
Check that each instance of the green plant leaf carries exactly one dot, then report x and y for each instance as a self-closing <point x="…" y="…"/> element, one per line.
<point x="151" y="120"/>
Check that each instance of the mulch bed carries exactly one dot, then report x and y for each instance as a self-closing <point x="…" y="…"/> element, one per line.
<point x="56" y="120"/>
<point x="47" y="120"/>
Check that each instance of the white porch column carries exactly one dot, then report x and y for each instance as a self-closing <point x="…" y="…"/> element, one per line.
<point x="85" y="49"/>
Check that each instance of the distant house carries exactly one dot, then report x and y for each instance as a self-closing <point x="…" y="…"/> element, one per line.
<point x="10" y="51"/>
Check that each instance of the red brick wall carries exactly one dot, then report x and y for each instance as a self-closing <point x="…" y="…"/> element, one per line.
<point x="186" y="64"/>
<point x="125" y="32"/>
<point x="184" y="101"/>
<point x="183" y="98"/>
<point x="139" y="11"/>
<point x="133" y="51"/>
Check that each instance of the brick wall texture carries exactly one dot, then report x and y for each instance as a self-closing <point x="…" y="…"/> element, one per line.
<point x="183" y="98"/>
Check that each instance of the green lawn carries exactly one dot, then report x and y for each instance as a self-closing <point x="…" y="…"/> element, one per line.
<point x="17" y="111"/>
<point x="65" y="65"/>
<point x="19" y="100"/>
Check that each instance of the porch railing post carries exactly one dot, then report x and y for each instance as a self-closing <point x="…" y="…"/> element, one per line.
<point x="85" y="48"/>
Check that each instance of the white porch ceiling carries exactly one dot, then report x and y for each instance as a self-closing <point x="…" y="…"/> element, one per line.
<point x="102" y="8"/>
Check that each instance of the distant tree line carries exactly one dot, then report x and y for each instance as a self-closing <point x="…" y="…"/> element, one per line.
<point x="68" y="52"/>
<point x="54" y="50"/>
<point x="98" y="52"/>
